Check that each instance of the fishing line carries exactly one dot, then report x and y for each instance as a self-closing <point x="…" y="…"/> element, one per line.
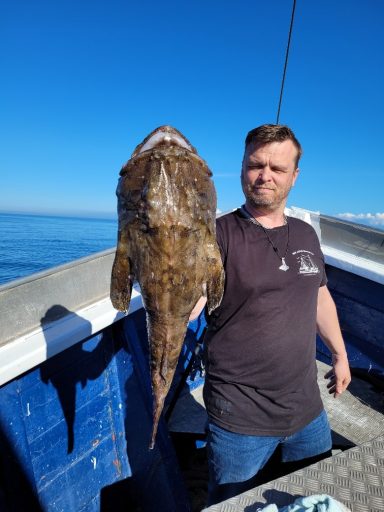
<point x="286" y="61"/>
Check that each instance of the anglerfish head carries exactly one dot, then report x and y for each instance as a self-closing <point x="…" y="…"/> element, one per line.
<point x="165" y="182"/>
<point x="163" y="137"/>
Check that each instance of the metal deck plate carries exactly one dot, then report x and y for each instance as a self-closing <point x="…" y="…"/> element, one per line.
<point x="354" y="477"/>
<point x="357" y="416"/>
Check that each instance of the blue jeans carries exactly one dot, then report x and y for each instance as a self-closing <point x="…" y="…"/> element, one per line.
<point x="234" y="459"/>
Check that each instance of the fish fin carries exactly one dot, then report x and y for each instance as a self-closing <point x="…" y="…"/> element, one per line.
<point x="215" y="289"/>
<point x="121" y="289"/>
<point x="215" y="282"/>
<point x="121" y="278"/>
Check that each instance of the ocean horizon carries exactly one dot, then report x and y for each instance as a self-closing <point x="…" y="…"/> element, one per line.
<point x="33" y="242"/>
<point x="76" y="214"/>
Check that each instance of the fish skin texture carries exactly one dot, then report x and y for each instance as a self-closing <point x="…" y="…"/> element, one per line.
<point x="167" y="242"/>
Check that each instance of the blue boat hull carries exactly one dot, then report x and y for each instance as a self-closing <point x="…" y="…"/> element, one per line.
<point x="360" y="306"/>
<point x="75" y="431"/>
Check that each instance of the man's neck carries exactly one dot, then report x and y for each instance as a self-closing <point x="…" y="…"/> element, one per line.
<point x="269" y="218"/>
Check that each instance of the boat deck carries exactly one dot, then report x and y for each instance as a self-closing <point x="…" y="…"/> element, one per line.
<point x="354" y="475"/>
<point x="355" y="418"/>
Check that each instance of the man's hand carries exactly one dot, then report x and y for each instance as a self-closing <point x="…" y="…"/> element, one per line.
<point x="340" y="375"/>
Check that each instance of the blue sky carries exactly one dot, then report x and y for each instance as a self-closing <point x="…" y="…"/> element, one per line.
<point x="83" y="82"/>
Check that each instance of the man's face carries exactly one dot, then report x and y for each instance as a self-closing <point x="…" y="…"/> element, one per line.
<point x="268" y="174"/>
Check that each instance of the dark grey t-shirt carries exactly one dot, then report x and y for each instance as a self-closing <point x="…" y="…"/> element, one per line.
<point x="260" y="344"/>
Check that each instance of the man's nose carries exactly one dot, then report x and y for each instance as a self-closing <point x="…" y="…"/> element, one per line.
<point x="264" y="174"/>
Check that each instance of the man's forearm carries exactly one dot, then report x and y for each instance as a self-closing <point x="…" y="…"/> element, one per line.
<point x="328" y="325"/>
<point x="329" y="329"/>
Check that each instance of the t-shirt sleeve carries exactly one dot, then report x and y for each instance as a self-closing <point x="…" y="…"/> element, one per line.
<point x="324" y="279"/>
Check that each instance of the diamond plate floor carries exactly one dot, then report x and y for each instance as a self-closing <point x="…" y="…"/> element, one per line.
<point x="357" y="416"/>
<point x="354" y="477"/>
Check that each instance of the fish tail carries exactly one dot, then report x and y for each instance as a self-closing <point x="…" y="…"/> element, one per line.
<point x="156" y="418"/>
<point x="166" y="339"/>
<point x="160" y="390"/>
<point x="161" y="381"/>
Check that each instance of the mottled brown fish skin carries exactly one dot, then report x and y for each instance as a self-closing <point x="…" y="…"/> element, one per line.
<point x="166" y="240"/>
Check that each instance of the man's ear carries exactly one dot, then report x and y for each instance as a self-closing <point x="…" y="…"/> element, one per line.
<point x="295" y="175"/>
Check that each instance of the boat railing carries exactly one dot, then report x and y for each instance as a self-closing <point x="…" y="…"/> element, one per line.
<point x="352" y="247"/>
<point x="48" y="312"/>
<point x="43" y="314"/>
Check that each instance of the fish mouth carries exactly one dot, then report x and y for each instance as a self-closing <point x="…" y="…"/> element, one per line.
<point x="164" y="136"/>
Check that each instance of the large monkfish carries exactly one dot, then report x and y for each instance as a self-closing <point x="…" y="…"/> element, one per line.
<point x="166" y="240"/>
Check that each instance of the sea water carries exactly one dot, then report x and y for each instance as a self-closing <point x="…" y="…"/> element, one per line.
<point x="32" y="243"/>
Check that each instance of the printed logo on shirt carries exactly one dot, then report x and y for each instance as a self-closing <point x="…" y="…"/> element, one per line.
<point x="305" y="262"/>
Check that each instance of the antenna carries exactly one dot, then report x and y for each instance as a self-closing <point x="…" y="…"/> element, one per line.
<point x="286" y="61"/>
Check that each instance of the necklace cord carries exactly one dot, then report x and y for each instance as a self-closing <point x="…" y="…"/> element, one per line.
<point x="251" y="219"/>
<point x="270" y="241"/>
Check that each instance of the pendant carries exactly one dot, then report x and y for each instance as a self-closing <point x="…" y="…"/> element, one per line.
<point x="283" y="265"/>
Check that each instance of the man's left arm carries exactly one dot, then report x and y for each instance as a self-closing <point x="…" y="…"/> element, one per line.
<point x="329" y="330"/>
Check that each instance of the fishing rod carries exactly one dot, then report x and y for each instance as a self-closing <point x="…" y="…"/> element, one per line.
<point x="196" y="355"/>
<point x="286" y="61"/>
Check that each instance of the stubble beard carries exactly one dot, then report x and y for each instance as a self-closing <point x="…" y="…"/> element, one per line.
<point x="256" y="199"/>
<point x="259" y="200"/>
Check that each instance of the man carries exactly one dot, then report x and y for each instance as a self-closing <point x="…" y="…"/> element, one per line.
<point x="261" y="383"/>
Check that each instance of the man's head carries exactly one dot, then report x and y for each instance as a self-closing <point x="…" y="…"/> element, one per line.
<point x="270" y="166"/>
<point x="267" y="133"/>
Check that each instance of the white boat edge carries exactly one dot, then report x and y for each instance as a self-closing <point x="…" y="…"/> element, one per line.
<point x="35" y="342"/>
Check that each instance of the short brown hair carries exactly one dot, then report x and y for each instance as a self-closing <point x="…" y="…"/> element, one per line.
<point x="267" y="133"/>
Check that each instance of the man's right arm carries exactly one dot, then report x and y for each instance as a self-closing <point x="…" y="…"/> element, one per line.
<point x="199" y="306"/>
